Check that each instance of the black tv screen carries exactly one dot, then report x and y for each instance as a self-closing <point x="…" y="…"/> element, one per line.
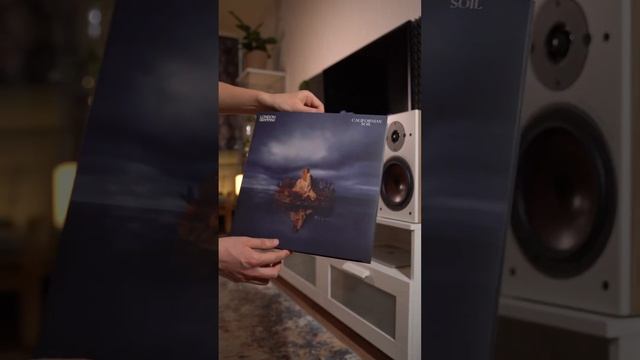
<point x="380" y="78"/>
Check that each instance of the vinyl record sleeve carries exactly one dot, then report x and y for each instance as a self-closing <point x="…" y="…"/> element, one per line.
<point x="312" y="181"/>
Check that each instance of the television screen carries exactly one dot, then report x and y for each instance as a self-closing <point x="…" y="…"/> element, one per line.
<point x="380" y="78"/>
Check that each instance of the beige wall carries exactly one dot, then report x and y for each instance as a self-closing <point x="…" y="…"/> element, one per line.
<point x="316" y="34"/>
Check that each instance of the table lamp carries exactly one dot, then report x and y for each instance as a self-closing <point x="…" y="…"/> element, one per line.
<point x="238" y="183"/>
<point x="62" y="184"/>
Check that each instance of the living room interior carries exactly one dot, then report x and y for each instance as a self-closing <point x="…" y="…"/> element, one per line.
<point x="543" y="310"/>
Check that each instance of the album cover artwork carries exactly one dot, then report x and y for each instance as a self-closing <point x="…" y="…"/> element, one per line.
<point x="312" y="181"/>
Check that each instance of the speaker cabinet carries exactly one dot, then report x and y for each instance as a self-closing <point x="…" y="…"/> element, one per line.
<point x="575" y="234"/>
<point x="522" y="340"/>
<point x="400" y="188"/>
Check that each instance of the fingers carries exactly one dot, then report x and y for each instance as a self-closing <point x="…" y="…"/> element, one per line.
<point x="264" y="273"/>
<point x="256" y="243"/>
<point x="314" y="102"/>
<point x="302" y="101"/>
<point x="258" y="281"/>
<point x="310" y="102"/>
<point x="272" y="257"/>
<point x="265" y="258"/>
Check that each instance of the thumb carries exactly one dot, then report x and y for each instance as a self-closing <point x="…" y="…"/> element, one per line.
<point x="309" y="109"/>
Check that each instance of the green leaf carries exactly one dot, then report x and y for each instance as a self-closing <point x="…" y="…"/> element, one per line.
<point x="237" y="18"/>
<point x="244" y="28"/>
<point x="252" y="39"/>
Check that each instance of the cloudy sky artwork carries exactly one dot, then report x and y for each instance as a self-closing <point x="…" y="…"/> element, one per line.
<point x="333" y="146"/>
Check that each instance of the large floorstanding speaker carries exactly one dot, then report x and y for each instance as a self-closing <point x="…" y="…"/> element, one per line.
<point x="575" y="234"/>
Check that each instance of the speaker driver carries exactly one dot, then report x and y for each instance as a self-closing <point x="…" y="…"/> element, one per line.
<point x="560" y="43"/>
<point x="395" y="136"/>
<point x="565" y="194"/>
<point x="397" y="184"/>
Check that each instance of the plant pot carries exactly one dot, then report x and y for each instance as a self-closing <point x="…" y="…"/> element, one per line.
<point x="255" y="59"/>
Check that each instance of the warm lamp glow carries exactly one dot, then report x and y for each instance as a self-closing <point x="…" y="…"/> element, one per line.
<point x="238" y="183"/>
<point x="62" y="184"/>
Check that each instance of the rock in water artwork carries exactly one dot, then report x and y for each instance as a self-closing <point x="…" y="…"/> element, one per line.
<point x="302" y="196"/>
<point x="312" y="181"/>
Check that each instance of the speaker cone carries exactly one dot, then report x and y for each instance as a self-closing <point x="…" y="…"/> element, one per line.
<point x="397" y="184"/>
<point x="565" y="192"/>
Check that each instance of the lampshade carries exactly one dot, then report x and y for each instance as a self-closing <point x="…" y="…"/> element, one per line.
<point x="62" y="184"/>
<point x="238" y="183"/>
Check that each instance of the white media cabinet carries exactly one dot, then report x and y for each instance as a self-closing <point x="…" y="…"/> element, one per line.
<point x="380" y="301"/>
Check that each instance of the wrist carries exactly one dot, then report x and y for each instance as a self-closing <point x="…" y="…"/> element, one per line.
<point x="222" y="254"/>
<point x="264" y="101"/>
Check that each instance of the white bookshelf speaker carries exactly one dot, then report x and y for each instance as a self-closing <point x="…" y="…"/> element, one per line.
<point x="400" y="189"/>
<point x="575" y="234"/>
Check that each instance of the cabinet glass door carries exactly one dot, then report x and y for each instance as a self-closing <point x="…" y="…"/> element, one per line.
<point x="302" y="265"/>
<point x="374" y="305"/>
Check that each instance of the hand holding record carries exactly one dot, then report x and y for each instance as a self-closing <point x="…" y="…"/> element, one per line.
<point x="244" y="259"/>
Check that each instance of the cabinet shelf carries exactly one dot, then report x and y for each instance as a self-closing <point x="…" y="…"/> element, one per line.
<point x="401" y="273"/>
<point x="266" y="80"/>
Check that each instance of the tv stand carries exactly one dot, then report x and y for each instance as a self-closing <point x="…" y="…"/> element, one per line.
<point x="379" y="301"/>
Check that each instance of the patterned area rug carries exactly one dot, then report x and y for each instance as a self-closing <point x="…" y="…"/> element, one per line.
<point x="260" y="322"/>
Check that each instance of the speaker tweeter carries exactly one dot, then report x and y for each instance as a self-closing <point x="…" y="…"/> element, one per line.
<point x="561" y="41"/>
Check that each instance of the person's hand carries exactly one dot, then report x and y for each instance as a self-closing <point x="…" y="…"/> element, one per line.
<point x="244" y="259"/>
<point x="300" y="101"/>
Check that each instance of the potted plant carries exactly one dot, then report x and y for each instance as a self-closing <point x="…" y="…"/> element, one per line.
<point x="255" y="46"/>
